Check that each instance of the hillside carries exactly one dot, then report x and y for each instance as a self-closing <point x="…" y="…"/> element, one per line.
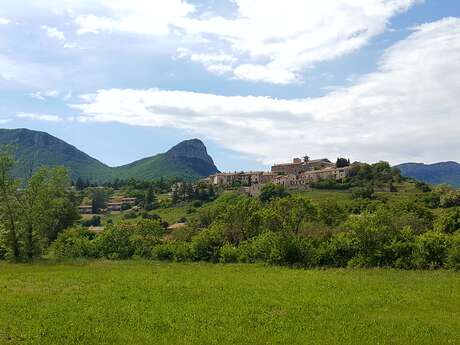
<point x="445" y="172"/>
<point x="34" y="149"/>
<point x="188" y="160"/>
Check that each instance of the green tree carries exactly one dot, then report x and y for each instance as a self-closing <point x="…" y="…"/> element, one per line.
<point x="150" y="200"/>
<point x="272" y="191"/>
<point x="342" y="162"/>
<point x="32" y="216"/>
<point x="292" y="211"/>
<point x="98" y="201"/>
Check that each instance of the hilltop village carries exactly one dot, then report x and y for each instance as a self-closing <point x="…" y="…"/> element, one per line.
<point x="298" y="173"/>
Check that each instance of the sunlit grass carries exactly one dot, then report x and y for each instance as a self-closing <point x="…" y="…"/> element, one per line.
<point x="138" y="302"/>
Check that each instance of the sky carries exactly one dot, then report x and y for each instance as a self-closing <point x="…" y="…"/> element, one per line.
<point x="259" y="81"/>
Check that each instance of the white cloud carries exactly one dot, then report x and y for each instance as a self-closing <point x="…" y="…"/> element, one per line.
<point x="4" y="21"/>
<point x="4" y="121"/>
<point x="43" y="95"/>
<point x="153" y="17"/>
<point x="218" y="63"/>
<point x="39" y="117"/>
<point x="269" y="41"/>
<point x="53" y="33"/>
<point x="407" y="110"/>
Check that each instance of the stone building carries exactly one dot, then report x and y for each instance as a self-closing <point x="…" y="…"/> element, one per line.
<point x="298" y="166"/>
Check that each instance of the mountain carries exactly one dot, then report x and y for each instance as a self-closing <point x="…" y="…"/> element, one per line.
<point x="188" y="160"/>
<point x="445" y="172"/>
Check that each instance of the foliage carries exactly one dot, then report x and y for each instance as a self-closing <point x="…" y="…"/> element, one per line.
<point x="432" y="250"/>
<point x="366" y="192"/>
<point x="32" y="216"/>
<point x="74" y="243"/>
<point x="271" y="191"/>
<point x="448" y="221"/>
<point x="342" y="162"/>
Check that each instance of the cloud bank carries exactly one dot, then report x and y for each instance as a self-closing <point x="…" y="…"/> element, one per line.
<point x="263" y="41"/>
<point x="407" y="110"/>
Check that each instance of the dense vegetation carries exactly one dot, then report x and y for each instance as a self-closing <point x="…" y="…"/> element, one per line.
<point x="138" y="302"/>
<point x="369" y="228"/>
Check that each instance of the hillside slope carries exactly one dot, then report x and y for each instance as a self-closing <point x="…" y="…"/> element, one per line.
<point x="188" y="160"/>
<point x="34" y="149"/>
<point x="445" y="172"/>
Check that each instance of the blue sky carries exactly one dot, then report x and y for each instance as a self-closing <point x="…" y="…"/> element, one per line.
<point x="258" y="81"/>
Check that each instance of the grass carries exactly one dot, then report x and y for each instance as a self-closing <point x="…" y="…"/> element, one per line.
<point x="137" y="302"/>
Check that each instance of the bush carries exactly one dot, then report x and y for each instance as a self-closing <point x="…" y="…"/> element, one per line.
<point x="330" y="184"/>
<point x="338" y="250"/>
<point x="206" y="245"/>
<point x="228" y="253"/>
<point x="453" y="258"/>
<point x="362" y="193"/>
<point x="114" y="242"/>
<point x="448" y="222"/>
<point x="146" y="234"/>
<point x="74" y="243"/>
<point x="431" y="250"/>
<point x="272" y="191"/>
<point x="93" y="221"/>
<point x="174" y="251"/>
<point x="130" y="215"/>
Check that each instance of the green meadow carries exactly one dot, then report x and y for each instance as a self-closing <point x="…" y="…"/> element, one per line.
<point x="146" y="302"/>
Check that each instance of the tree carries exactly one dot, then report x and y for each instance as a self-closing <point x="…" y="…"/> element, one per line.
<point x="272" y="191"/>
<point x="342" y="162"/>
<point x="98" y="202"/>
<point x="80" y="184"/>
<point x="32" y="216"/>
<point x="150" y="200"/>
<point x="9" y="207"/>
<point x="293" y="211"/>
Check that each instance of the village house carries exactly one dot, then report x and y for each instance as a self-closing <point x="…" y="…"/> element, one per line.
<point x="114" y="206"/>
<point x="299" y="172"/>
<point x="85" y="209"/>
<point x="244" y="178"/>
<point x="298" y="166"/>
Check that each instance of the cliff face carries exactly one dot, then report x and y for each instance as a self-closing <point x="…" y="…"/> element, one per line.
<point x="194" y="154"/>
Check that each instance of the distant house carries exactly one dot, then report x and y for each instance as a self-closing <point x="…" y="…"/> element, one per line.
<point x="129" y="201"/>
<point x="115" y="206"/>
<point x="85" y="209"/>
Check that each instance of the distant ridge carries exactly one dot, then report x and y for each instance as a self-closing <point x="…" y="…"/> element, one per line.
<point x="443" y="172"/>
<point x="188" y="160"/>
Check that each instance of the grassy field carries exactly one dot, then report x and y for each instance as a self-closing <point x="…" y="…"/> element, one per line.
<point x="137" y="302"/>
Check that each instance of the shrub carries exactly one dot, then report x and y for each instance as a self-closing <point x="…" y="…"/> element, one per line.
<point x="431" y="250"/>
<point x="448" y="222"/>
<point x="206" y="245"/>
<point x="400" y="250"/>
<point x="74" y="243"/>
<point x="331" y="213"/>
<point x="272" y="191"/>
<point x="173" y="251"/>
<point x="93" y="221"/>
<point x="338" y="250"/>
<point x="228" y="253"/>
<point x="450" y="199"/>
<point x="146" y="234"/>
<point x="130" y="215"/>
<point x="114" y="242"/>
<point x="453" y="258"/>
<point x="362" y="193"/>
